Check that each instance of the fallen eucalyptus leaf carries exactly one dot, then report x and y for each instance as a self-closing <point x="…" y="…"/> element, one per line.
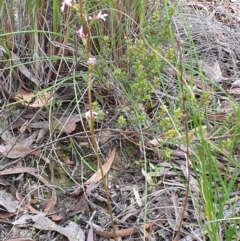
<point x="73" y="232"/>
<point x="11" y="207"/>
<point x="212" y="71"/>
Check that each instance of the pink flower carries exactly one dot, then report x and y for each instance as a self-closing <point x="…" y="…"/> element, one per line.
<point x="88" y="115"/>
<point x="99" y="16"/>
<point x="66" y="3"/>
<point x="81" y="33"/>
<point x="92" y="61"/>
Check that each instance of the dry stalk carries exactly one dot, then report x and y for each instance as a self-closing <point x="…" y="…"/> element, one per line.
<point x="91" y="120"/>
<point x="184" y="105"/>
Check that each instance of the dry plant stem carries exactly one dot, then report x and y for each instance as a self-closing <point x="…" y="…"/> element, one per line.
<point x="96" y="149"/>
<point x="180" y="46"/>
<point x="90" y="69"/>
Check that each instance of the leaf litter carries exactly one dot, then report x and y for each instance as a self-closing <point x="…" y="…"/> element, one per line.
<point x="72" y="231"/>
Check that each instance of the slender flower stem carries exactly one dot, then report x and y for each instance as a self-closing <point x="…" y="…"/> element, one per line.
<point x="85" y="34"/>
<point x="91" y="62"/>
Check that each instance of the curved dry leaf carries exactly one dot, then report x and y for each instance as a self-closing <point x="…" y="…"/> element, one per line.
<point x="8" y="138"/>
<point x="96" y="177"/>
<point x="55" y="217"/>
<point x="212" y="71"/>
<point x="236" y="83"/>
<point x="24" y="95"/>
<point x="81" y="204"/>
<point x="10" y="206"/>
<point x="20" y="151"/>
<point x="23" y="220"/>
<point x="4" y="182"/>
<point x="17" y="170"/>
<point x="24" y="203"/>
<point x="225" y="106"/>
<point x="67" y="124"/>
<point x="32" y="171"/>
<point x="234" y="91"/>
<point x="42" y="133"/>
<point x="200" y="83"/>
<point x="104" y="136"/>
<point x="20" y="239"/>
<point x="124" y="232"/>
<point x="25" y="127"/>
<point x="41" y="99"/>
<point x="155" y="142"/>
<point x="14" y="152"/>
<point x="6" y="216"/>
<point x="90" y="234"/>
<point x="137" y="197"/>
<point x="148" y="178"/>
<point x="27" y="142"/>
<point x="217" y="117"/>
<point x="72" y="231"/>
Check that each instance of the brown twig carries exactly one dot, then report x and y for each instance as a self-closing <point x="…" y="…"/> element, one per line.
<point x="185" y="122"/>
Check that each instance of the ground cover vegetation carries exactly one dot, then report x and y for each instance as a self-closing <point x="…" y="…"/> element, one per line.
<point x="119" y="120"/>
